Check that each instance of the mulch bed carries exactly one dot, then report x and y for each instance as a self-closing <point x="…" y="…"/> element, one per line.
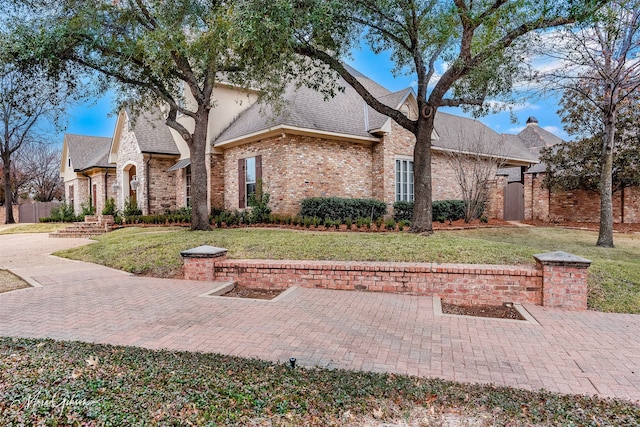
<point x="506" y="311"/>
<point x="243" y="292"/>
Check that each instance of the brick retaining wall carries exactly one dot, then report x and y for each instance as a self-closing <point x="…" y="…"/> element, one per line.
<point x="455" y="283"/>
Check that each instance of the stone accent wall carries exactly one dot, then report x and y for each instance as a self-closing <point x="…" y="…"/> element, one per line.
<point x="129" y="154"/>
<point x="80" y="193"/>
<point x="296" y="167"/>
<point x="162" y="184"/>
<point x="578" y="205"/>
<point x="180" y="187"/>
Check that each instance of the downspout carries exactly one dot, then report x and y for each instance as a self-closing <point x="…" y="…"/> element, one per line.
<point x="148" y="184"/>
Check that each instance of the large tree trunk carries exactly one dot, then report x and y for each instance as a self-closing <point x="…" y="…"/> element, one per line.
<point x="8" y="194"/>
<point x="422" y="215"/>
<point x="198" y="149"/>
<point x="605" y="236"/>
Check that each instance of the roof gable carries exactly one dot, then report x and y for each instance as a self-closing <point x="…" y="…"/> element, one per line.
<point x="87" y="152"/>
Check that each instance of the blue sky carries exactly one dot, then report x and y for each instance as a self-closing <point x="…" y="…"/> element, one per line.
<point x="97" y="119"/>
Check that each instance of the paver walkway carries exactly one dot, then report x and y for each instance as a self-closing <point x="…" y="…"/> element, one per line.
<point x="570" y="352"/>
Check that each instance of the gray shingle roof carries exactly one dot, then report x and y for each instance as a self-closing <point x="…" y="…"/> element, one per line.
<point x="348" y="114"/>
<point x="88" y="151"/>
<point x="461" y="133"/>
<point x="153" y="135"/>
<point x="533" y="136"/>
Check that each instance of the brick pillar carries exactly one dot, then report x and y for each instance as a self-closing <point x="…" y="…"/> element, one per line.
<point x="564" y="280"/>
<point x="199" y="263"/>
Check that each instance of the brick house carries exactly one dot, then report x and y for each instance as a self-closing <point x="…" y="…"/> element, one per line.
<point x="311" y="147"/>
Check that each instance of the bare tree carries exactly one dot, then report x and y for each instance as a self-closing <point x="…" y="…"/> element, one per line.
<point x="474" y="163"/>
<point x="28" y="100"/>
<point x="40" y="163"/>
<point x="600" y="63"/>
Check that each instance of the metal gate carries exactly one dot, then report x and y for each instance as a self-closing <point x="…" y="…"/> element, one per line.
<point x="514" y="202"/>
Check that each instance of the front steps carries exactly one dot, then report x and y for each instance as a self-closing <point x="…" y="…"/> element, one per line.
<point x="92" y="226"/>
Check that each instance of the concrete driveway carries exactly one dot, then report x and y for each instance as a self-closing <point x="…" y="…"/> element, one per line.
<point x="570" y="352"/>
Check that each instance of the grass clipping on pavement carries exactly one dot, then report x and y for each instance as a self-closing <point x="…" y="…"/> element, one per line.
<point x="45" y="382"/>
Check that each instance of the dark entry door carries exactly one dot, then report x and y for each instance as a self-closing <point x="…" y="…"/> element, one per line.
<point x="514" y="202"/>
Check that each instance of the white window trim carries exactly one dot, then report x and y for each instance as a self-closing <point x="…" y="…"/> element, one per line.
<point x="400" y="194"/>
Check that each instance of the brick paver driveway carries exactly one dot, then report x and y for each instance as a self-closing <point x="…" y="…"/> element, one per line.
<point x="572" y="352"/>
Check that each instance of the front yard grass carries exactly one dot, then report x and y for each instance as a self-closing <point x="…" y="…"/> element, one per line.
<point x="44" y="382"/>
<point x="614" y="275"/>
<point x="32" y="228"/>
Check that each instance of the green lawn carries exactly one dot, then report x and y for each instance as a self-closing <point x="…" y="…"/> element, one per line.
<point x="44" y="382"/>
<point x="32" y="228"/>
<point x="614" y="275"/>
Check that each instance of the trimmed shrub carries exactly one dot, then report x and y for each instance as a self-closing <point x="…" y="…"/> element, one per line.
<point x="110" y="207"/>
<point x="63" y="213"/>
<point x="403" y="211"/>
<point x="442" y="210"/>
<point x="445" y="210"/>
<point x="339" y="209"/>
<point x="259" y="203"/>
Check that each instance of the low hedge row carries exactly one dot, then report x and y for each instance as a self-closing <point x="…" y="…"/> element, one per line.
<point x="442" y="210"/>
<point x="339" y="209"/>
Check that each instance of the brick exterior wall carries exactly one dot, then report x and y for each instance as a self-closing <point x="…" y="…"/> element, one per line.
<point x="162" y="184"/>
<point x="495" y="205"/>
<point x="399" y="143"/>
<point x="216" y="184"/>
<point x="577" y="205"/>
<point x="297" y="167"/>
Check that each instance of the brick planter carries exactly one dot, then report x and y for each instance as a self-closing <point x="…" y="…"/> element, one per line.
<point x="559" y="279"/>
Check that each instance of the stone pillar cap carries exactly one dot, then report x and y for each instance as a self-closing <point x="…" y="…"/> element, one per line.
<point x="561" y="258"/>
<point x="204" y="251"/>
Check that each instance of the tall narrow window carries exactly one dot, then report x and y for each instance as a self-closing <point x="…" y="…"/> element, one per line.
<point x="71" y="195"/>
<point x="250" y="176"/>
<point x="404" y="180"/>
<point x="249" y="172"/>
<point x="188" y="184"/>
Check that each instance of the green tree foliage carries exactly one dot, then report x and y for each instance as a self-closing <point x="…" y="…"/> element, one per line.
<point x="577" y="165"/>
<point x="154" y="51"/>
<point x="481" y="43"/>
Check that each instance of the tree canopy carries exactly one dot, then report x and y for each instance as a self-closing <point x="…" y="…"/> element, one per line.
<point x="155" y="52"/>
<point x="479" y="46"/>
<point x="577" y="164"/>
